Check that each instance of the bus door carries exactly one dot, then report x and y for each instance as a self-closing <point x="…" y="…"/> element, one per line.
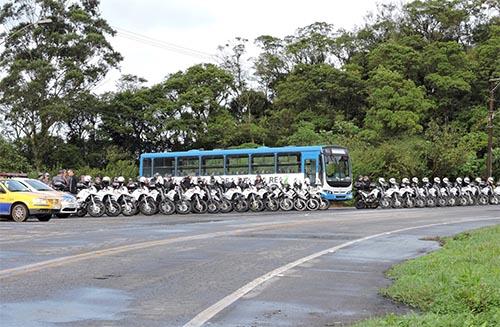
<point x="310" y="164"/>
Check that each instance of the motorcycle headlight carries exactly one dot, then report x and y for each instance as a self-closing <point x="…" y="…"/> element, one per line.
<point x="40" y="202"/>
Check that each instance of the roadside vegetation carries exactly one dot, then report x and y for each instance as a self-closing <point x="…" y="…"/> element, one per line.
<point x="406" y="91"/>
<point x="458" y="285"/>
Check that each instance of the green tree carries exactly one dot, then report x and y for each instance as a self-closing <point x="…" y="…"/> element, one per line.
<point x="47" y="67"/>
<point x="194" y="96"/>
<point x="10" y="158"/>
<point x="322" y="93"/>
<point x="396" y="57"/>
<point x="448" y="77"/>
<point x="396" y="105"/>
<point x="132" y="118"/>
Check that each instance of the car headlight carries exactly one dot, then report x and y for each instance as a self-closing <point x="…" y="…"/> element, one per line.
<point x="69" y="199"/>
<point x="40" y="202"/>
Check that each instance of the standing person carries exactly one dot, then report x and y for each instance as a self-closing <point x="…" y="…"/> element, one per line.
<point x="58" y="181"/>
<point x="72" y="181"/>
<point x="45" y="178"/>
<point x="66" y="177"/>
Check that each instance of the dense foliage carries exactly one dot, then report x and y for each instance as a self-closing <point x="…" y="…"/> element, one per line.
<point x="407" y="92"/>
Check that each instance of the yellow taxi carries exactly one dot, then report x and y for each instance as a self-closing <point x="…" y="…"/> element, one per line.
<point x="69" y="205"/>
<point x="18" y="203"/>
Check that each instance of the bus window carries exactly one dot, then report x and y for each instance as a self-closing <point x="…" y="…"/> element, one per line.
<point x="310" y="170"/>
<point x="212" y="165"/>
<point x="289" y="163"/>
<point x="263" y="163"/>
<point x="146" y="167"/>
<point x="337" y="170"/>
<point x="188" y="166"/>
<point x="320" y="173"/>
<point x="164" y="166"/>
<point x="237" y="165"/>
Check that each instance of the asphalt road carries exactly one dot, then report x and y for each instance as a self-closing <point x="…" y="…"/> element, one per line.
<point x="268" y="269"/>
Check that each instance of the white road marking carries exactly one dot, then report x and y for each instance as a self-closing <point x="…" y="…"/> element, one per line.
<point x="214" y="309"/>
<point x="148" y="244"/>
<point x="254" y="227"/>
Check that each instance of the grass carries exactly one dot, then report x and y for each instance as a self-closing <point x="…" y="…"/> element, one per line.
<point x="458" y="285"/>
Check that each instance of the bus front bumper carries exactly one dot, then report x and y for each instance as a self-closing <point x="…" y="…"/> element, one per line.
<point x="337" y="196"/>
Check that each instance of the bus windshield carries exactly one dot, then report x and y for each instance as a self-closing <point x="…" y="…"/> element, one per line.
<point x="337" y="170"/>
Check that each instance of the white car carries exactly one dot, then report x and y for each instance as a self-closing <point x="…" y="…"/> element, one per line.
<point x="69" y="205"/>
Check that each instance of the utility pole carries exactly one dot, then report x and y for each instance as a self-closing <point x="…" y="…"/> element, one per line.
<point x="491" y="111"/>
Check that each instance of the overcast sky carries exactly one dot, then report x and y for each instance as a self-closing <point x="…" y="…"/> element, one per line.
<point x="203" y="25"/>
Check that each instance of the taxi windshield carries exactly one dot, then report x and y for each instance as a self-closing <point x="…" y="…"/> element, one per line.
<point x="37" y="185"/>
<point x="15" y="186"/>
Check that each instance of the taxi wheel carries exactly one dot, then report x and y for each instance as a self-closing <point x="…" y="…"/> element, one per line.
<point x="19" y="212"/>
<point x="44" y="217"/>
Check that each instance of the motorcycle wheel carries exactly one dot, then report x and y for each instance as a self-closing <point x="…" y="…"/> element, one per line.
<point x="148" y="207"/>
<point x="199" y="206"/>
<point x="213" y="206"/>
<point x="240" y="206"/>
<point x="442" y="202"/>
<point x="452" y="201"/>
<point x="312" y="204"/>
<point x="286" y="204"/>
<point x="495" y="200"/>
<point x="324" y="204"/>
<point x="167" y="207"/>
<point x="360" y="204"/>
<point x="225" y="206"/>
<point x="462" y="201"/>
<point x="256" y="205"/>
<point x="482" y="200"/>
<point x="129" y="208"/>
<point x="409" y="203"/>
<point x="96" y="208"/>
<point x="385" y="203"/>
<point x="113" y="209"/>
<point x="430" y="202"/>
<point x="397" y="202"/>
<point x="300" y="204"/>
<point x="272" y="204"/>
<point x="419" y="203"/>
<point x="183" y="207"/>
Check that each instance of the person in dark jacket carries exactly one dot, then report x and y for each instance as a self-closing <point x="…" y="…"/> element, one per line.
<point x="58" y="181"/>
<point x="72" y="181"/>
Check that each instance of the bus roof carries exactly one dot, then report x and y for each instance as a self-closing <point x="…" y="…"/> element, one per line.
<point x="259" y="150"/>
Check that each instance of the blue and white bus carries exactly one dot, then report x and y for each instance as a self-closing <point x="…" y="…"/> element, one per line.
<point x="328" y="166"/>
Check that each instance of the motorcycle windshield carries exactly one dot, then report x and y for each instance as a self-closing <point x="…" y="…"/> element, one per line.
<point x="337" y="170"/>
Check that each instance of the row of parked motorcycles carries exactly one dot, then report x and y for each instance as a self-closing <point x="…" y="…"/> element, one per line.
<point x="193" y="195"/>
<point x="425" y="193"/>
